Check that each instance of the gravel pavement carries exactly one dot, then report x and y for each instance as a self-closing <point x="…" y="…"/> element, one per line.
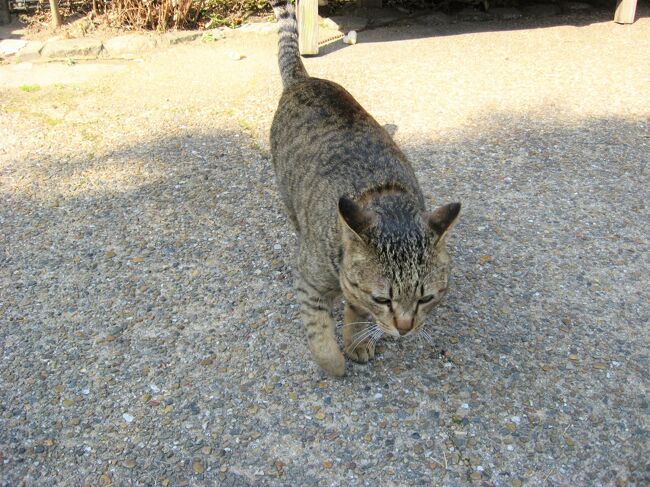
<point x="148" y="328"/>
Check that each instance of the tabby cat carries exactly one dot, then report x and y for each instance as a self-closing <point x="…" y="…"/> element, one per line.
<point x="359" y="212"/>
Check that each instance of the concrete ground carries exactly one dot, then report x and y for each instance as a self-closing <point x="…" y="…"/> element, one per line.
<point x="148" y="325"/>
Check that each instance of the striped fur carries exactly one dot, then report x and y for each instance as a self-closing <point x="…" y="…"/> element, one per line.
<point x="359" y="212"/>
<point x="291" y="68"/>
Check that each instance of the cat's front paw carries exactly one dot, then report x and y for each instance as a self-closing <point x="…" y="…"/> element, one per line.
<point x="327" y="355"/>
<point x="360" y="352"/>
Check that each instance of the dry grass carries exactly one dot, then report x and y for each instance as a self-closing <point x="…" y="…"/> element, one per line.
<point x="159" y="15"/>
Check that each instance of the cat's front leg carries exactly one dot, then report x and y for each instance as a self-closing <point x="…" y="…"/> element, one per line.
<point x="315" y="311"/>
<point x="357" y="335"/>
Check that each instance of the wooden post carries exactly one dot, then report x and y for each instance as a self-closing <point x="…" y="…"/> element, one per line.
<point x="308" y="26"/>
<point x="625" y="10"/>
<point x="56" y="16"/>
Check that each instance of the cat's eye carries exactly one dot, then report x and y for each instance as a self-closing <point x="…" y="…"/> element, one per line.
<point x="426" y="299"/>
<point x="380" y="300"/>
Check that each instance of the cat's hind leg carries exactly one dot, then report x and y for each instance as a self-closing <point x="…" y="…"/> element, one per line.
<point x="315" y="312"/>
<point x="358" y="335"/>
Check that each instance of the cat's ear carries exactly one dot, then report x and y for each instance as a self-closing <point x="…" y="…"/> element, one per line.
<point x="442" y="219"/>
<point x="354" y="217"/>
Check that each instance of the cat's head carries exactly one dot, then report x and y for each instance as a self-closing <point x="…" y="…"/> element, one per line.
<point x="395" y="265"/>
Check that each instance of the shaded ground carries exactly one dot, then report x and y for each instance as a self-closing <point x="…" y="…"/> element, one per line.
<point x="149" y="332"/>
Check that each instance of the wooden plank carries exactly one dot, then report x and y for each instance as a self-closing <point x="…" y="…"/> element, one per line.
<point x="625" y="11"/>
<point x="308" y="26"/>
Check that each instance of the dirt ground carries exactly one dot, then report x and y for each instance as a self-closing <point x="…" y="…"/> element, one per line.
<point x="148" y="326"/>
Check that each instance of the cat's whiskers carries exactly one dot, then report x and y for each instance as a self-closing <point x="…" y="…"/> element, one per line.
<point x="363" y="336"/>
<point x="376" y="335"/>
<point x="427" y="335"/>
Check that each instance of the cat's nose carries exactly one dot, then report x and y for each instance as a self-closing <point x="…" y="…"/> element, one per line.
<point x="404" y="325"/>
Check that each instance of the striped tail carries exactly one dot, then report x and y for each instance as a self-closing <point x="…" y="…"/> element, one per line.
<point x="291" y="68"/>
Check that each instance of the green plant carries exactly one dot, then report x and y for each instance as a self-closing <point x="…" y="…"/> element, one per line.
<point x="30" y="88"/>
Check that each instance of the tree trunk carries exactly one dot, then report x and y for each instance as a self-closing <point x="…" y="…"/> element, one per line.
<point x="5" y="18"/>
<point x="56" y="16"/>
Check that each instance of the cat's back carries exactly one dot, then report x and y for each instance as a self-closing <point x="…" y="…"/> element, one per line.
<point x="319" y="102"/>
<point x="322" y="138"/>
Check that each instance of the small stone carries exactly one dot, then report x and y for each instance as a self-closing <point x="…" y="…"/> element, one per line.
<point x="484" y="259"/>
<point x="165" y="482"/>
<point x="198" y="468"/>
<point x="48" y="442"/>
<point x="476" y="476"/>
<point x="570" y="441"/>
<point x="154" y="388"/>
<point x="332" y="435"/>
<point x="277" y="247"/>
<point x="378" y="396"/>
<point x="573" y="357"/>
<point x="206" y="450"/>
<point x="453" y="340"/>
<point x="320" y="415"/>
<point x="511" y="427"/>
<point x="293" y="396"/>
<point x="546" y="367"/>
<point x="105" y="479"/>
<point x="75" y="421"/>
<point x="129" y="463"/>
<point x="127" y="417"/>
<point x="235" y="56"/>
<point x="328" y="464"/>
<point x="138" y="259"/>
<point x="350" y="38"/>
<point x="516" y="483"/>
<point x="207" y="361"/>
<point x="110" y="338"/>
<point x="109" y="254"/>
<point x="168" y="409"/>
<point x="599" y="366"/>
<point x="67" y="403"/>
<point x="146" y="398"/>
